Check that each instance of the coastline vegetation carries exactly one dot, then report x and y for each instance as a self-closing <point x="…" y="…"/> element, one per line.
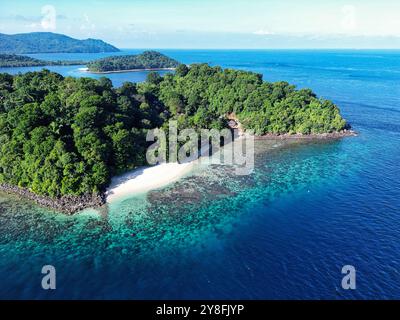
<point x="68" y="136"/>
<point x="202" y="96"/>
<point x="16" y="61"/>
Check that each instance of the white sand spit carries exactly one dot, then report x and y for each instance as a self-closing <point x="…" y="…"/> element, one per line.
<point x="146" y="179"/>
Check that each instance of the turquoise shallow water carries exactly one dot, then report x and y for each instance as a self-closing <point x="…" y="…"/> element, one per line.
<point x="283" y="232"/>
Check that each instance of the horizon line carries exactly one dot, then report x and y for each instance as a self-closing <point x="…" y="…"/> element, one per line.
<point x="160" y="48"/>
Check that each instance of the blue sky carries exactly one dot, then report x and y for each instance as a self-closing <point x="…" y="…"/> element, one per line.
<point x="213" y="23"/>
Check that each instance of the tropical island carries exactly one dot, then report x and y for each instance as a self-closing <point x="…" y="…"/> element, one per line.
<point x="16" y="61"/>
<point x="63" y="139"/>
<point x="148" y="60"/>
<point x="48" y="42"/>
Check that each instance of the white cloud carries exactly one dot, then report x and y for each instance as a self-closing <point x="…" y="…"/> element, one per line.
<point x="33" y="25"/>
<point x="49" y="20"/>
<point x="263" y="32"/>
<point x="349" y="20"/>
<point x="87" y="25"/>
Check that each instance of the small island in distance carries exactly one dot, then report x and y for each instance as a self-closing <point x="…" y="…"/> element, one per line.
<point x="148" y="60"/>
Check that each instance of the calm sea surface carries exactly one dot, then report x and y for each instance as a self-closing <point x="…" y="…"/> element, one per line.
<point x="284" y="232"/>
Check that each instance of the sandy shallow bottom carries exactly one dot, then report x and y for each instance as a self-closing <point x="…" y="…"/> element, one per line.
<point x="146" y="179"/>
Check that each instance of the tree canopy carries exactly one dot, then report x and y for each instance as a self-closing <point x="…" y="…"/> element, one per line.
<point x="201" y="95"/>
<point x="69" y="136"/>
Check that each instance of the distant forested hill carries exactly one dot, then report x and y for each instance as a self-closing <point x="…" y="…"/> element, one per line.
<point x="146" y="60"/>
<point x="14" y="61"/>
<point x="47" y="42"/>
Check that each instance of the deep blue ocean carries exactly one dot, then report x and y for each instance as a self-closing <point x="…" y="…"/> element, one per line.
<point x="284" y="232"/>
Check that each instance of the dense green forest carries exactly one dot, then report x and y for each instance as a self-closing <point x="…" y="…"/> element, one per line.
<point x="146" y="60"/>
<point x="13" y="60"/>
<point x="67" y="135"/>
<point x="201" y="96"/>
<point x="62" y="136"/>
<point x="48" y="42"/>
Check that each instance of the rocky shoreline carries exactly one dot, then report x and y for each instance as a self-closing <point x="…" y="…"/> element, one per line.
<point x="316" y="136"/>
<point x="73" y="204"/>
<point x="65" y="204"/>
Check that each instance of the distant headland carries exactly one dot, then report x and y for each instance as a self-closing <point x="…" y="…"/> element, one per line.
<point x="48" y="42"/>
<point x="19" y="61"/>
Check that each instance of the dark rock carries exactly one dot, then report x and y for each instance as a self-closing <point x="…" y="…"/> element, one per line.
<point x="313" y="136"/>
<point x="66" y="204"/>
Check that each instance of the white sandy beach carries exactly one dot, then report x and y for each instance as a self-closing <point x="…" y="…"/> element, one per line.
<point x="125" y="71"/>
<point x="145" y="179"/>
